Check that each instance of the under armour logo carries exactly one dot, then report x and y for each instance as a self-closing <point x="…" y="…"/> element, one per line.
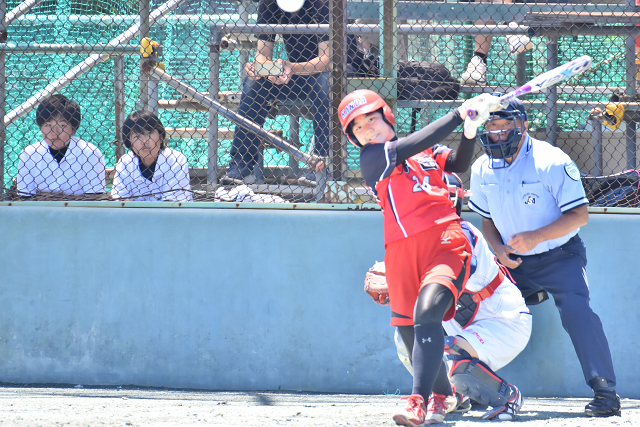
<point x="445" y="241"/>
<point x="424" y="340"/>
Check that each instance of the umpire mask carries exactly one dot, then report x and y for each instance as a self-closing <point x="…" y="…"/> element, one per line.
<point x="502" y="143"/>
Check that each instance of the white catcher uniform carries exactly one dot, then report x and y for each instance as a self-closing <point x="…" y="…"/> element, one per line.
<point x="501" y="327"/>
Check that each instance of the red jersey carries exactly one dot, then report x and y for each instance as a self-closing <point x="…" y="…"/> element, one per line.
<point x="413" y="194"/>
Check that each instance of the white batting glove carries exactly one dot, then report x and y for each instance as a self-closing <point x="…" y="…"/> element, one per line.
<point x="471" y="125"/>
<point x="479" y="104"/>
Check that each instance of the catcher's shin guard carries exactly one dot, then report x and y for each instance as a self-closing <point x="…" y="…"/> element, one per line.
<point x="473" y="378"/>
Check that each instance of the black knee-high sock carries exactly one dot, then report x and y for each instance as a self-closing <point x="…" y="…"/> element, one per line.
<point x="428" y="348"/>
<point x="481" y="55"/>
<point x="442" y="384"/>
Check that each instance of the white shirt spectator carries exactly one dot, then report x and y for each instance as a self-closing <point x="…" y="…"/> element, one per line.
<point x="170" y="181"/>
<point x="81" y="170"/>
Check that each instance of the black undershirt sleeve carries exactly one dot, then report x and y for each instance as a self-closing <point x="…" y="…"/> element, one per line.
<point x="430" y="135"/>
<point x="459" y="160"/>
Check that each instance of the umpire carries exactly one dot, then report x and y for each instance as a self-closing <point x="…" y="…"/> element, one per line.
<point x="532" y="202"/>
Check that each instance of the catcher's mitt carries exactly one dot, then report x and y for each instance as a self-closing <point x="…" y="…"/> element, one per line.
<point x="375" y="284"/>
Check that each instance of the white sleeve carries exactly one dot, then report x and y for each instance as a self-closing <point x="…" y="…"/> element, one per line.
<point x="178" y="179"/>
<point x="119" y="189"/>
<point x="26" y="183"/>
<point x="478" y="200"/>
<point x="96" y="173"/>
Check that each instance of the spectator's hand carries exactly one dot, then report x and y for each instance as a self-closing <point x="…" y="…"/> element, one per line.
<point x="251" y="71"/>
<point x="523" y="242"/>
<point x="503" y="256"/>
<point x="286" y="76"/>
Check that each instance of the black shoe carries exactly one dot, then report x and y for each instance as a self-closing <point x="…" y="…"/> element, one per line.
<point x="236" y="175"/>
<point x="463" y="403"/>
<point x="537" y="298"/>
<point x="311" y="178"/>
<point x="604" y="404"/>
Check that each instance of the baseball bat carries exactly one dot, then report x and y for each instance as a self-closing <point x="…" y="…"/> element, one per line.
<point x="214" y="106"/>
<point x="545" y="80"/>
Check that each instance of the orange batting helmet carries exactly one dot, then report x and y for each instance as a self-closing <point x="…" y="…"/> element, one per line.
<point x="359" y="102"/>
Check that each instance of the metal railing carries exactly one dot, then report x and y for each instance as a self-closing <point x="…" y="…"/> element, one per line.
<point x="549" y="21"/>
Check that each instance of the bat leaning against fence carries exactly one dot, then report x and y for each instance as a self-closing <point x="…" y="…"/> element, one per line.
<point x="218" y="108"/>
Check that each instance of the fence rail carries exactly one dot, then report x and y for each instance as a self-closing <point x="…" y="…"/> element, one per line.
<point x="206" y="47"/>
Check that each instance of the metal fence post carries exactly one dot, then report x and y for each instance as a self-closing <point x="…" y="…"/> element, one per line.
<point x="118" y="71"/>
<point x="338" y="42"/>
<point x="143" y="11"/>
<point x="630" y="62"/>
<point x="153" y="96"/>
<point x="3" y="56"/>
<point x="521" y="68"/>
<point x="552" y="92"/>
<point x="388" y="40"/>
<point x="596" y="140"/>
<point x="214" y="89"/>
<point x="245" y="46"/>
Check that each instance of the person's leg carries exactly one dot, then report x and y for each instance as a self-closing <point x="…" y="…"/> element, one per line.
<point x="433" y="302"/>
<point x="428" y="347"/>
<point x="476" y="73"/>
<point x="483" y="42"/>
<point x="316" y="89"/>
<point x="254" y="106"/>
<point x="563" y="272"/>
<point x="406" y="333"/>
<point x="474" y="377"/>
<point x="321" y="117"/>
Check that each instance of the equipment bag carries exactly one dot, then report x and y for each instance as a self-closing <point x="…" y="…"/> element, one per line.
<point x="617" y="190"/>
<point x="426" y="80"/>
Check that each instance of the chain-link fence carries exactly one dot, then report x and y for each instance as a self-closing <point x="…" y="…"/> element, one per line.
<point x="242" y="96"/>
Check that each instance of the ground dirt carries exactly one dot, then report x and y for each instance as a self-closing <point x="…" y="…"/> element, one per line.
<point x="131" y="406"/>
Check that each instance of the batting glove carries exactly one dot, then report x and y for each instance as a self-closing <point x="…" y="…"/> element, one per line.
<point x="485" y="102"/>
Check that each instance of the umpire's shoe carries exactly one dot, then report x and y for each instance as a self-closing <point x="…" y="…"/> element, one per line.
<point x="604" y="404"/>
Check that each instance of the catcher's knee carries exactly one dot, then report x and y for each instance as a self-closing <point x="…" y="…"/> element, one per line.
<point x="404" y="352"/>
<point x="475" y="379"/>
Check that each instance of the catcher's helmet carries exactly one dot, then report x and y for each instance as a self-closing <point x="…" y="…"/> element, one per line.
<point x="504" y="147"/>
<point x="359" y="102"/>
<point x="457" y="193"/>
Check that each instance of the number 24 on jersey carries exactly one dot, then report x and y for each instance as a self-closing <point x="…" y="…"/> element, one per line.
<point x="421" y="186"/>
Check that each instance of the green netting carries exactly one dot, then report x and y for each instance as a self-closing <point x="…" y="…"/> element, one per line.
<point x="186" y="52"/>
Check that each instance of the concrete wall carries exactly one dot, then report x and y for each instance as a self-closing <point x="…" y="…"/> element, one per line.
<point x="234" y="299"/>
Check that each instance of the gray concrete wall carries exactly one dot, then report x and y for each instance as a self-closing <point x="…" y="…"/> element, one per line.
<point x="250" y="300"/>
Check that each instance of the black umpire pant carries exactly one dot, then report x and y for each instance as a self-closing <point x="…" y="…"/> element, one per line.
<point x="561" y="272"/>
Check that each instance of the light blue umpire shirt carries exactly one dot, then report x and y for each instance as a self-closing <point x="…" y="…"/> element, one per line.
<point x="540" y="184"/>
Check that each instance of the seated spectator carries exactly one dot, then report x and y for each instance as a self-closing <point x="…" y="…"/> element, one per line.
<point x="305" y="76"/>
<point x="476" y="73"/>
<point x="151" y="171"/>
<point x="61" y="165"/>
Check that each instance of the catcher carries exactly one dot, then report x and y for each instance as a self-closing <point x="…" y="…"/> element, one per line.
<point x="491" y="327"/>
